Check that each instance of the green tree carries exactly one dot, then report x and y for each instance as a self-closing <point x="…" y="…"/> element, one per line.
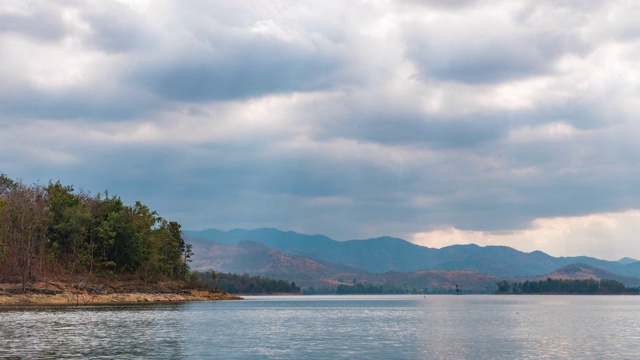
<point x="85" y="234"/>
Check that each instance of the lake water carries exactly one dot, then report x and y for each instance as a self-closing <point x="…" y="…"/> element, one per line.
<point x="333" y="327"/>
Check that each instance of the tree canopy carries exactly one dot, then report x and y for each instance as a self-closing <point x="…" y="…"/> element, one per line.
<point x="53" y="230"/>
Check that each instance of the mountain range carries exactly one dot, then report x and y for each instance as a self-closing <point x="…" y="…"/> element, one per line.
<point x="317" y="260"/>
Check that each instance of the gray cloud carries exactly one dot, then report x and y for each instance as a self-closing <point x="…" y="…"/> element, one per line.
<point x="255" y="68"/>
<point x="40" y="23"/>
<point x="115" y="28"/>
<point x="398" y="128"/>
<point x="480" y="53"/>
<point x="82" y="103"/>
<point x="350" y="120"/>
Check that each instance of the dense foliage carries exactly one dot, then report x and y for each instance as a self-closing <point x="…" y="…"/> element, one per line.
<point x="52" y="230"/>
<point x="560" y="286"/>
<point x="245" y="284"/>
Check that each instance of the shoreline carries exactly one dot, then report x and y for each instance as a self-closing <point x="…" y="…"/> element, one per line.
<point x="60" y="293"/>
<point x="81" y="299"/>
<point x="109" y="299"/>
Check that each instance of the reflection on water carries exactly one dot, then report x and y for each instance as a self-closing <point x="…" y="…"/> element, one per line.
<point x="347" y="327"/>
<point x="91" y="332"/>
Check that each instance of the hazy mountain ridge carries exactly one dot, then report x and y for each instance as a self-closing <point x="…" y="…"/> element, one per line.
<point x="254" y="258"/>
<point x="248" y="256"/>
<point x="584" y="272"/>
<point x="627" y="260"/>
<point x="386" y="254"/>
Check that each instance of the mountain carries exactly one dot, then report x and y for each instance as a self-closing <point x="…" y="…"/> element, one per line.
<point x="445" y="280"/>
<point x="584" y="272"/>
<point x="627" y="260"/>
<point x="388" y="254"/>
<point x="633" y="267"/>
<point x="254" y="258"/>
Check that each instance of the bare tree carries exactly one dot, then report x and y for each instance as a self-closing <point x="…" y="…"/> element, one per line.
<point x="24" y="221"/>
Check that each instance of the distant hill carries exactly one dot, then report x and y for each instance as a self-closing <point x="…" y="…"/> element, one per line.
<point x="254" y="258"/>
<point x="251" y="257"/>
<point x="633" y="267"/>
<point x="385" y="254"/>
<point x="320" y="262"/>
<point x="433" y="280"/>
<point x="585" y="272"/>
<point x="627" y="260"/>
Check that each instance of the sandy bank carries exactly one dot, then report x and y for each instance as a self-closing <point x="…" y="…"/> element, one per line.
<point x="60" y="294"/>
<point x="88" y="299"/>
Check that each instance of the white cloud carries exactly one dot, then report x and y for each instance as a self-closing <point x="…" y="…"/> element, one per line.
<point x="138" y="5"/>
<point x="555" y="131"/>
<point x="609" y="236"/>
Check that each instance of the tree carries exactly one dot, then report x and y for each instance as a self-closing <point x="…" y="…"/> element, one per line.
<point x="70" y="226"/>
<point x="57" y="228"/>
<point x="24" y="220"/>
<point x="503" y="287"/>
<point x="6" y="184"/>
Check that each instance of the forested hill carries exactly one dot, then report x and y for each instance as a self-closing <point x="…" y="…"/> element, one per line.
<point x="380" y="255"/>
<point x="53" y="231"/>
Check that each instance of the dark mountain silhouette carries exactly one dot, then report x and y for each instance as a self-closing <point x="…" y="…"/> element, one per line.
<point x="386" y="254"/>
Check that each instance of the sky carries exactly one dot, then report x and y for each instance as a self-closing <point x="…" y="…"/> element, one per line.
<point x="440" y="122"/>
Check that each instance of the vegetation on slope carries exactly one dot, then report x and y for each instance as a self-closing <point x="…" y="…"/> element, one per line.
<point x="54" y="232"/>
<point x="381" y="255"/>
<point x="245" y="284"/>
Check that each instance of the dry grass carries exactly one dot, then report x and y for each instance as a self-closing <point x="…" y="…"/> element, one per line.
<point x="57" y="293"/>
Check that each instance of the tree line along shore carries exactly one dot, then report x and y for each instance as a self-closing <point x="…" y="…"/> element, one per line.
<point x="70" y="246"/>
<point x="566" y="286"/>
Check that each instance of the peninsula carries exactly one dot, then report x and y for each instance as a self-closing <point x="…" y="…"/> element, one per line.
<point x="59" y="246"/>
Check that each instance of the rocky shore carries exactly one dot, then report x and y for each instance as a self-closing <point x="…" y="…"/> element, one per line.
<point x="58" y="293"/>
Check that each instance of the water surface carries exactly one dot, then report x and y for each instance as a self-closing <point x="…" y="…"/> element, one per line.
<point x="332" y="327"/>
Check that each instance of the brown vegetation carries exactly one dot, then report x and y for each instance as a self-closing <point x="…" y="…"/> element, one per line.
<point x="121" y="292"/>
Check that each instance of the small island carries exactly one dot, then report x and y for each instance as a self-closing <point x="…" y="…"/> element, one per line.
<point x="59" y="246"/>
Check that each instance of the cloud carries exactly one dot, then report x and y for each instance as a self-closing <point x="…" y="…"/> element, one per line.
<point x="610" y="236"/>
<point x="355" y="119"/>
<point x="486" y="44"/>
<point x="234" y="51"/>
<point x="42" y="23"/>
<point x="255" y="68"/>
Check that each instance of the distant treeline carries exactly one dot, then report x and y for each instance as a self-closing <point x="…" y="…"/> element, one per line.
<point x="245" y="284"/>
<point x="54" y="231"/>
<point x="360" y="288"/>
<point x="561" y="286"/>
<point x="364" y="288"/>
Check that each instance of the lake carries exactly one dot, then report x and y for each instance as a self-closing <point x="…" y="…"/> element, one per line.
<point x="332" y="327"/>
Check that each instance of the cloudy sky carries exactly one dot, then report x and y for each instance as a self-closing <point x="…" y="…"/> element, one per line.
<point x="440" y="122"/>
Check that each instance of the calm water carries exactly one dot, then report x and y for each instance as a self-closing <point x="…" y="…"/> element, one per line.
<point x="332" y="327"/>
